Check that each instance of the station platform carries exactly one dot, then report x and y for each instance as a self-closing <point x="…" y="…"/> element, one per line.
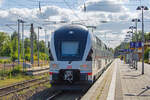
<point x="120" y="82"/>
<point x="37" y="70"/>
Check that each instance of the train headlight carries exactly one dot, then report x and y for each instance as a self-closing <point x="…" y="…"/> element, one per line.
<point x="50" y="73"/>
<point x="54" y="65"/>
<point x="84" y="65"/>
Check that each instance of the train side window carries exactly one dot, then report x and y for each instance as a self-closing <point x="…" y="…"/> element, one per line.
<point x="50" y="55"/>
<point x="89" y="57"/>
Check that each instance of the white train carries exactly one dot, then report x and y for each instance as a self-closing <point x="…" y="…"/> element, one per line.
<point x="76" y="55"/>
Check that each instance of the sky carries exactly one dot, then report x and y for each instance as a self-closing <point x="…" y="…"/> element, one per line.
<point x="116" y="13"/>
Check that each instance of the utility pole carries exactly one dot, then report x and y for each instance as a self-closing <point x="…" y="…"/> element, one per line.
<point x="31" y="39"/>
<point x="38" y="44"/>
<point x="18" y="41"/>
<point x="23" y="40"/>
<point x="45" y="45"/>
<point x="40" y="6"/>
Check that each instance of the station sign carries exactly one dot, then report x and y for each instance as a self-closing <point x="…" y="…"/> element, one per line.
<point x="132" y="45"/>
<point x="139" y="50"/>
<point x="138" y="44"/>
<point x="129" y="50"/>
<point x="121" y="50"/>
<point x="125" y="50"/>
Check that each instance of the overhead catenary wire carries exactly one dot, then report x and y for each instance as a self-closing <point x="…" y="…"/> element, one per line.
<point x="26" y="19"/>
<point x="53" y="1"/>
<point x="72" y="10"/>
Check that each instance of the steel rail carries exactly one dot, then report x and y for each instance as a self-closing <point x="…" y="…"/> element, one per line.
<point x="55" y="95"/>
<point x="21" y="86"/>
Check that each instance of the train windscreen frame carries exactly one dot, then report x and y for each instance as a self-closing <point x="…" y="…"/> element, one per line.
<point x="72" y="34"/>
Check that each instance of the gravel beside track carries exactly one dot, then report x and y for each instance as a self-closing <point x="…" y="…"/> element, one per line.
<point x="56" y="93"/>
<point x="21" y="86"/>
<point x="69" y="95"/>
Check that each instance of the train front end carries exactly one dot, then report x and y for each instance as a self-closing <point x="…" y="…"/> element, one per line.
<point x="70" y="49"/>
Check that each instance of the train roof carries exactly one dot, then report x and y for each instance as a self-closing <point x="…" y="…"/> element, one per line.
<point x="67" y="31"/>
<point x="70" y="27"/>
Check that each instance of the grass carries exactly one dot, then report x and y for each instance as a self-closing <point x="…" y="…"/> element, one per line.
<point x="9" y="77"/>
<point x="34" y="89"/>
<point x="5" y="60"/>
<point x="14" y="79"/>
<point x="48" y="85"/>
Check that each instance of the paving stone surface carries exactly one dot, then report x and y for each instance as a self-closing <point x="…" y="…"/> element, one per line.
<point x="133" y="85"/>
<point x="129" y="83"/>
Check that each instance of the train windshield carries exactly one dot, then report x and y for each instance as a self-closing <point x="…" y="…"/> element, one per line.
<point x="70" y="51"/>
<point x="69" y="48"/>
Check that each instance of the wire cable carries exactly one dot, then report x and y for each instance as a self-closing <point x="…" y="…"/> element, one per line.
<point x="72" y="10"/>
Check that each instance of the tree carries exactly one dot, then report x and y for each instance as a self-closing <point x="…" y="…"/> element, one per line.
<point x="2" y="39"/>
<point x="4" y="44"/>
<point x="42" y="46"/>
<point x="27" y="45"/>
<point x="9" y="46"/>
<point x="147" y="37"/>
<point x="14" y="46"/>
<point x="6" y="51"/>
<point x="14" y="35"/>
<point x="146" y="54"/>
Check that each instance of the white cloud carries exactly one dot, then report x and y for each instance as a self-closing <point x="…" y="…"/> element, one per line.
<point x="1" y="1"/>
<point x="118" y="17"/>
<point x="112" y="6"/>
<point x="3" y="14"/>
<point x="48" y="11"/>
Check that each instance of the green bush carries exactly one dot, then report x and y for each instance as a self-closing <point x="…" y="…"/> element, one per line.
<point x="27" y="57"/>
<point x="14" y="56"/>
<point x="146" y="61"/>
<point x="15" y="71"/>
<point x="146" y="53"/>
<point x="5" y="60"/>
<point x="35" y="57"/>
<point x="43" y="55"/>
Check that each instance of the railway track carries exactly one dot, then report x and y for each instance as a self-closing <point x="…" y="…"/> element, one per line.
<point x="72" y="92"/>
<point x="54" y="95"/>
<point x="66" y="95"/>
<point x="21" y="86"/>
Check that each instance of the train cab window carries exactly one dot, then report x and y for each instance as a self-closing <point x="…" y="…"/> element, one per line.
<point x="50" y="55"/>
<point x="89" y="57"/>
<point x="70" y="48"/>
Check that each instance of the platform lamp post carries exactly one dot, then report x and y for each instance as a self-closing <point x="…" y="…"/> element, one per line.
<point x="132" y="28"/>
<point x="38" y="44"/>
<point x="143" y="40"/>
<point x="130" y="41"/>
<point x="136" y="20"/>
<point x="130" y="35"/>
